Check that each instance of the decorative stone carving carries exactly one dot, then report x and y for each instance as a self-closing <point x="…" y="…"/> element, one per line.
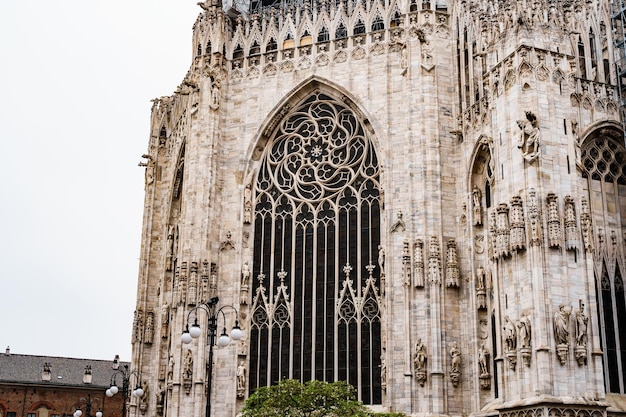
<point x="228" y="244"/>
<point x="452" y="265"/>
<point x="534" y="218"/>
<point x="483" y="363"/>
<point x="383" y="372"/>
<point x="561" y="332"/>
<point x="580" y="351"/>
<point x="192" y="289"/>
<point x="492" y="238"/>
<point x="406" y="263"/>
<point x="571" y="229"/>
<point x="381" y="260"/>
<point x="585" y="222"/>
<point x="529" y="137"/>
<point x="477" y="206"/>
<point x="160" y="400"/>
<point x="419" y="362"/>
<point x="518" y="225"/>
<point x="149" y="334"/>
<point x="455" y="364"/>
<point x="503" y="232"/>
<point x="510" y="342"/>
<point x="481" y="292"/>
<point x="554" y="222"/>
<point x="137" y="326"/>
<point x="418" y="263"/>
<point x="204" y="282"/>
<point x="143" y="401"/>
<point x="188" y="371"/>
<point x="525" y="335"/>
<point x="399" y="225"/>
<point x="434" y="261"/>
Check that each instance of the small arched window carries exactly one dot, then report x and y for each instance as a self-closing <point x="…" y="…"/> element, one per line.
<point x="323" y="36"/>
<point x="359" y="28"/>
<point x="341" y="32"/>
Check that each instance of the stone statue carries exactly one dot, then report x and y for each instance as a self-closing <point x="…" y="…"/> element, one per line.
<point x="477" y="206"/>
<point x="381" y="259"/>
<point x="245" y="274"/>
<point x="529" y="137"/>
<point x="581" y="326"/>
<point x="480" y="278"/>
<point x="419" y="358"/>
<point x="188" y="367"/>
<point x="510" y="334"/>
<point x="455" y="354"/>
<point x="524" y="330"/>
<point x="241" y="380"/>
<point x="561" y="331"/>
<point x="482" y="360"/>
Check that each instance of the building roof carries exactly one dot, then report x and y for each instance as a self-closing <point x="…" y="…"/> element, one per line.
<point x="29" y="369"/>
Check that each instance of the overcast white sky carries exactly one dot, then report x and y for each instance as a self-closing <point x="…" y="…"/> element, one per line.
<point x="76" y="79"/>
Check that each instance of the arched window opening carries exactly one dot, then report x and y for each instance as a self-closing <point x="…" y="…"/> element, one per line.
<point x="199" y="50"/>
<point x="271" y="45"/>
<point x="582" y="62"/>
<point x="316" y="304"/>
<point x="208" y="48"/>
<point x="255" y="49"/>
<point x="359" y="28"/>
<point x="396" y="20"/>
<point x="341" y="32"/>
<point x="378" y="24"/>
<point x="323" y="35"/>
<point x="238" y="52"/>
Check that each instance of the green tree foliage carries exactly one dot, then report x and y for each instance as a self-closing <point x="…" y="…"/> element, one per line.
<point x="291" y="398"/>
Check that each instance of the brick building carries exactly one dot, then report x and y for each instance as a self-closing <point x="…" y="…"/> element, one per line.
<point x="426" y="198"/>
<point x="43" y="386"/>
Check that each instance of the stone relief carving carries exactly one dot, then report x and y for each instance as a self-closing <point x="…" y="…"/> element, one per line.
<point x="452" y="265"/>
<point x="518" y="225"/>
<point x="399" y="225"/>
<point x="149" y="334"/>
<point x="554" y="222"/>
<point x="204" y="282"/>
<point x="534" y="218"/>
<point x="406" y="263"/>
<point x="247" y="204"/>
<point x="434" y="261"/>
<point x="170" y="248"/>
<point x="529" y="137"/>
<point x="165" y="320"/>
<point x="192" y="289"/>
<point x="245" y="280"/>
<point x="503" y="232"/>
<point x="571" y="228"/>
<point x="561" y="332"/>
<point x="585" y="222"/>
<point x="137" y="326"/>
<point x="419" y="362"/>
<point x="418" y="259"/>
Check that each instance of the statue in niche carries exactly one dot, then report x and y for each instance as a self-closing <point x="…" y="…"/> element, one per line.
<point x="529" y="137"/>
<point x="245" y="274"/>
<point x="247" y="204"/>
<point x="383" y="372"/>
<point x="480" y="278"/>
<point x="381" y="259"/>
<point x="215" y="94"/>
<point x="524" y="330"/>
<point x="149" y="327"/>
<point x="510" y="334"/>
<point x="160" y="400"/>
<point x="170" y="369"/>
<point x="165" y="319"/>
<point x="143" y="402"/>
<point x="419" y="362"/>
<point x="455" y="363"/>
<point x="481" y="292"/>
<point x="188" y="371"/>
<point x="477" y="206"/>
<point x="482" y="360"/>
<point x="170" y="248"/>
<point x="561" y="332"/>
<point x="241" y="380"/>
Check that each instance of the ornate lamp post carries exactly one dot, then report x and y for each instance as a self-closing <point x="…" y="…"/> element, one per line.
<point x="125" y="374"/>
<point x="224" y="340"/>
<point x="87" y="407"/>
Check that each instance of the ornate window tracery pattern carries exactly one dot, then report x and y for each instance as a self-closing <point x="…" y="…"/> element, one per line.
<point x="316" y="303"/>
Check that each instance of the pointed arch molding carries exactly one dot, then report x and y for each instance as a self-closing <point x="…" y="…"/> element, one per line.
<point x="317" y="228"/>
<point x="296" y="95"/>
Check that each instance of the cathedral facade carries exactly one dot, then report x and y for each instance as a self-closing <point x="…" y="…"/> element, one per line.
<point x="422" y="198"/>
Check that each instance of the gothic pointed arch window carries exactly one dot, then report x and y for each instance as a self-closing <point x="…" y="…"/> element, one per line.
<point x="315" y="310"/>
<point x="603" y="160"/>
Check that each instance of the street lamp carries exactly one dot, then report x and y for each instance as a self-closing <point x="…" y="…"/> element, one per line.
<point x="87" y="407"/>
<point x="125" y="374"/>
<point x="224" y="340"/>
